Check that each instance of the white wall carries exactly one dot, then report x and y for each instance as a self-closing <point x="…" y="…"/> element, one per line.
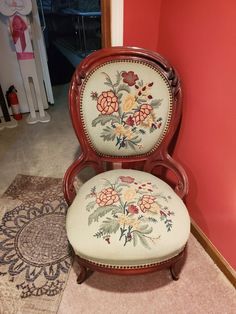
<point x="117" y="22"/>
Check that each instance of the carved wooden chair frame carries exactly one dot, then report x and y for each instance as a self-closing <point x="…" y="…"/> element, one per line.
<point x="159" y="157"/>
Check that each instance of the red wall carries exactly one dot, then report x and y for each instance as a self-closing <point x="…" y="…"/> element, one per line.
<point x="141" y="22"/>
<point x="199" y="39"/>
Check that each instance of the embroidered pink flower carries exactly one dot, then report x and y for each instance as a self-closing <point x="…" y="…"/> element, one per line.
<point x="142" y="113"/>
<point x="132" y="209"/>
<point x="129" y="78"/>
<point x="107" y="103"/>
<point x="107" y="197"/>
<point x="146" y="202"/>
<point x="127" y="179"/>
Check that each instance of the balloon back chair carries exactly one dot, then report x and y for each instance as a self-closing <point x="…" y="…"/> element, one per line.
<point x="125" y="106"/>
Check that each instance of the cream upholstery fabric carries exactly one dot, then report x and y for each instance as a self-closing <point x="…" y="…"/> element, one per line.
<point x="124" y="105"/>
<point x="127" y="217"/>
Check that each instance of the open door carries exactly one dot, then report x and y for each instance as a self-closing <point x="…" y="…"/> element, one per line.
<point x="73" y="29"/>
<point x="106" y="23"/>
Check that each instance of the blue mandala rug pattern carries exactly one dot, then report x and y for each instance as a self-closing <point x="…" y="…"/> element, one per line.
<point x="34" y="251"/>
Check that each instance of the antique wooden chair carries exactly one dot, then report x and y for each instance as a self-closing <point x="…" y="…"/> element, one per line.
<point x="125" y="106"/>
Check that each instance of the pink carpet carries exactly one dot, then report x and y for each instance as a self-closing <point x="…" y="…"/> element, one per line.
<point x="201" y="289"/>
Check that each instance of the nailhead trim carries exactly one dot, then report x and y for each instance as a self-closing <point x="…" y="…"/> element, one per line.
<point x="133" y="266"/>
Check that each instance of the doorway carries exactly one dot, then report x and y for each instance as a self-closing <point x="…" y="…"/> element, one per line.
<point x="73" y="29"/>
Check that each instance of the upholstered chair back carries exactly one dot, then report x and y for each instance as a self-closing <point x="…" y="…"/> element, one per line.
<point x="125" y="103"/>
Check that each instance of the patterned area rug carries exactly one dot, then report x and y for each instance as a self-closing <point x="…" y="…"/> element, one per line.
<point x="35" y="257"/>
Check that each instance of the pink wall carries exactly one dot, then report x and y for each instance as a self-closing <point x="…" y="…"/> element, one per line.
<point x="199" y="39"/>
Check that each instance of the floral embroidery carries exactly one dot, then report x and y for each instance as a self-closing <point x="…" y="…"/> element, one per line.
<point x="130" y="210"/>
<point x="107" y="103"/>
<point x="107" y="197"/>
<point x="126" y="110"/>
<point x="129" y="77"/>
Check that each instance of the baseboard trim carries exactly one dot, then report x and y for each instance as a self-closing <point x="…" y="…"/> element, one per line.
<point x="214" y="253"/>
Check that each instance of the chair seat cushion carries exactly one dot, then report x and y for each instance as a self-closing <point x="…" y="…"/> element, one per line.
<point x="127" y="218"/>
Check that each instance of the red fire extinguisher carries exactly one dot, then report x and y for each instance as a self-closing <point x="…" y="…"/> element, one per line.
<point x="13" y="102"/>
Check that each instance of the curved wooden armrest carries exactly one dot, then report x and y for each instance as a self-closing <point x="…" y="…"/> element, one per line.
<point x="73" y="171"/>
<point x="169" y="163"/>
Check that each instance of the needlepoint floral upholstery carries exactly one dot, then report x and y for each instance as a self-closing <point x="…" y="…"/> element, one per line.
<point x="127" y="218"/>
<point x="125" y="104"/>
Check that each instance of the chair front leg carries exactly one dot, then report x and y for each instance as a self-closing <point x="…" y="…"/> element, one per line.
<point x="177" y="266"/>
<point x="84" y="273"/>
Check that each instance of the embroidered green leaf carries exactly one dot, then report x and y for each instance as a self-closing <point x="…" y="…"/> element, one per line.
<point x="98" y="234"/>
<point x="123" y="87"/>
<point x="159" y="195"/>
<point x="155" y="103"/>
<point x="118" y="79"/>
<point x="145" y="229"/>
<point x="140" y="83"/>
<point x="122" y="185"/>
<point x="141" y="100"/>
<point x="109" y="226"/>
<point x="168" y="223"/>
<point x="135" y="239"/>
<point x="108" y="80"/>
<point x="136" y="139"/>
<point x="100" y="212"/>
<point x="103" y="119"/>
<point x="147" y="219"/>
<point x="90" y="205"/>
<point x="141" y="131"/>
<point x="89" y="196"/>
<point x="142" y="239"/>
<point x="108" y="134"/>
<point x="117" y="209"/>
<point x="133" y="142"/>
<point x="141" y="192"/>
<point x="131" y="145"/>
<point x="151" y="219"/>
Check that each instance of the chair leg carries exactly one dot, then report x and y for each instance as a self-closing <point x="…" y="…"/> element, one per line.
<point x="83" y="274"/>
<point x="175" y="268"/>
<point x="174" y="272"/>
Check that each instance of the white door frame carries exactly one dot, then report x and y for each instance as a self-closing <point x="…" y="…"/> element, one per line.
<point x="117" y="22"/>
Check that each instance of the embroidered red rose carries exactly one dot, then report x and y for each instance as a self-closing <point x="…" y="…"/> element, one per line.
<point x="130" y="121"/>
<point x="107" y="103"/>
<point x="132" y="209"/>
<point x="127" y="179"/>
<point x="129" y="78"/>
